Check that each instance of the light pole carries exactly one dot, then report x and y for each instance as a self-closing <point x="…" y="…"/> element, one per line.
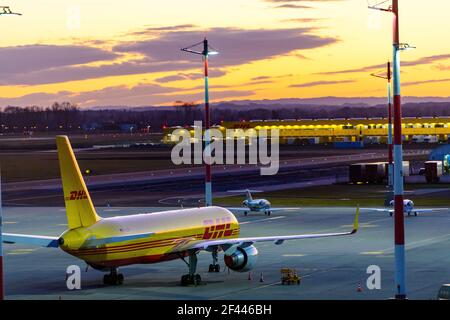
<point x="4" y="10"/>
<point x="388" y="77"/>
<point x="399" y="220"/>
<point x="207" y="51"/>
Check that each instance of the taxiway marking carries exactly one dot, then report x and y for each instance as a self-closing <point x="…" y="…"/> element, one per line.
<point x="294" y="255"/>
<point x="262" y="220"/>
<point x="418" y="244"/>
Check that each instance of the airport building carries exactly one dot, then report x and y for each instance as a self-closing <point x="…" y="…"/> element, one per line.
<point x="318" y="131"/>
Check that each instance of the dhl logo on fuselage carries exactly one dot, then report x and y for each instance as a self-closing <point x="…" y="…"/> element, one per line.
<point x="218" y="231"/>
<point x="219" y="228"/>
<point x="77" y="195"/>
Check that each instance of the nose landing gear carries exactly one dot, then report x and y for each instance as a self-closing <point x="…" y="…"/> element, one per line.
<point x="214" y="267"/>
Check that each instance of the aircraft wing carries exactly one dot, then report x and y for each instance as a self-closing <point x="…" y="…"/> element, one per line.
<point x="227" y="243"/>
<point x="283" y="209"/>
<point x="379" y="209"/>
<point x="430" y="209"/>
<point x="53" y="242"/>
<point x="240" y="209"/>
<point x="414" y="210"/>
<point x="42" y="241"/>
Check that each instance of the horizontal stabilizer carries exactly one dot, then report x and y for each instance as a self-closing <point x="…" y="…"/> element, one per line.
<point x="42" y="241"/>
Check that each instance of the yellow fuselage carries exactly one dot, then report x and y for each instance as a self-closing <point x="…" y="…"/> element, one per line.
<point x="172" y="231"/>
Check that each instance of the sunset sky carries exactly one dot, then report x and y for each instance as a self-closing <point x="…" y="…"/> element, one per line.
<point x="116" y="53"/>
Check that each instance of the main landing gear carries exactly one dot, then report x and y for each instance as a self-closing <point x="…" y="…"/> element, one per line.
<point x="191" y="278"/>
<point x="267" y="212"/>
<point x="214" y="267"/>
<point x="113" y="278"/>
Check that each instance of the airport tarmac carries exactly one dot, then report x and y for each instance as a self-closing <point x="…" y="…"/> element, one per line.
<point x="331" y="268"/>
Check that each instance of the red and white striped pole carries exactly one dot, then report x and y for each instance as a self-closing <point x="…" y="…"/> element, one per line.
<point x="400" y="264"/>
<point x="208" y="184"/>
<point x="206" y="152"/>
<point x="390" y="146"/>
<point x="5" y="11"/>
<point x="2" y="290"/>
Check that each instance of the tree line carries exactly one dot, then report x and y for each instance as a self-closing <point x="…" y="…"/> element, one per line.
<point x="68" y="117"/>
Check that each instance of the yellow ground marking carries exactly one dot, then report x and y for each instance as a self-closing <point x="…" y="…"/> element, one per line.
<point x="362" y="225"/>
<point x="412" y="245"/>
<point x="420" y="243"/>
<point x="372" y="253"/>
<point x="20" y="251"/>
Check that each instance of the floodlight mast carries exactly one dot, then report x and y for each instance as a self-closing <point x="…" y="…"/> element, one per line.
<point x="207" y="50"/>
<point x="390" y="146"/>
<point x="4" y="10"/>
<point x="399" y="230"/>
<point x="388" y="77"/>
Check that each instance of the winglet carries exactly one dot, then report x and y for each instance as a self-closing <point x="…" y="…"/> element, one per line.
<point x="356" y="222"/>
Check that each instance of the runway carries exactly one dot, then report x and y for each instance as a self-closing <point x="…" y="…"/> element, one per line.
<point x="331" y="268"/>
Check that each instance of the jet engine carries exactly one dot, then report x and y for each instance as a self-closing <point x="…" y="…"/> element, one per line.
<point x="242" y="259"/>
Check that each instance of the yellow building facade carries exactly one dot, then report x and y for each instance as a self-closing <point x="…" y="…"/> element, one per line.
<point x="424" y="129"/>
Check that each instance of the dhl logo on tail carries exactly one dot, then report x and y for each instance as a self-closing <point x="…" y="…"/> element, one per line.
<point x="77" y="195"/>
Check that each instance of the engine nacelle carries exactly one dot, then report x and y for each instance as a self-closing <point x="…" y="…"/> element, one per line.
<point x="242" y="259"/>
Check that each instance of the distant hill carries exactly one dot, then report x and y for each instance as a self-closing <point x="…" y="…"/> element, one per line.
<point x="294" y="102"/>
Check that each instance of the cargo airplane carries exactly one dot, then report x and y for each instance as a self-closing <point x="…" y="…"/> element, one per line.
<point x="408" y="208"/>
<point x="106" y="244"/>
<point x="256" y="205"/>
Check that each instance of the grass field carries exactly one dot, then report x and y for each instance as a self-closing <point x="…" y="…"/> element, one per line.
<point x="47" y="142"/>
<point x="24" y="159"/>
<point x="37" y="166"/>
<point x="347" y="195"/>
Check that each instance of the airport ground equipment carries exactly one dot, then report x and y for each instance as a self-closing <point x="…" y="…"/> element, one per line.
<point x="444" y="292"/>
<point x="290" y="276"/>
